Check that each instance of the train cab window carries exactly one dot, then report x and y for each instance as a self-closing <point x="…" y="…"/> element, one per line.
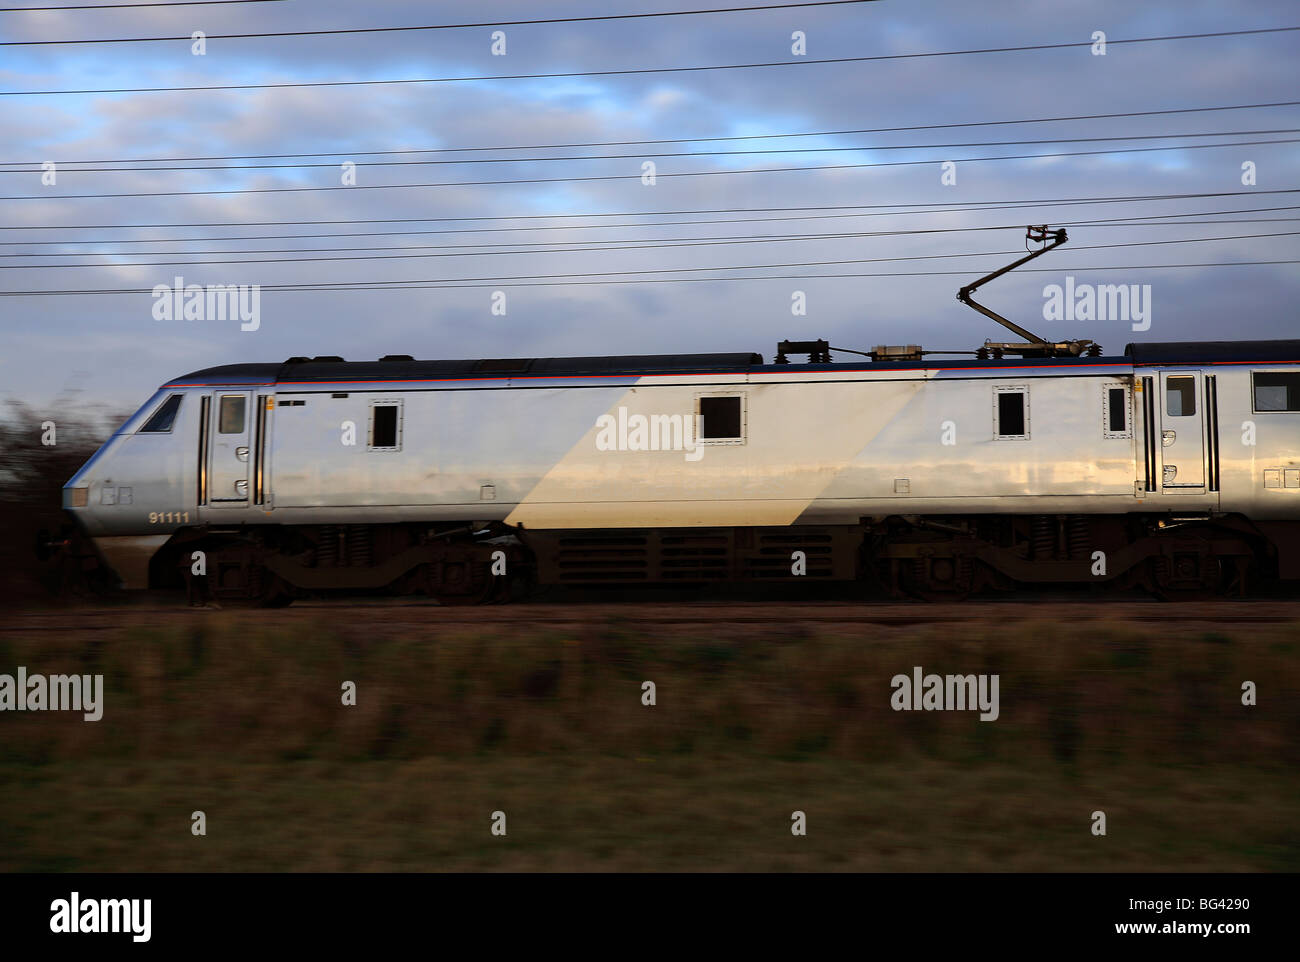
<point x="231" y="419"/>
<point x="1117" y="412"/>
<point x="1277" y="391"/>
<point x="1180" y="396"/>
<point x="162" y="420"/>
<point x="386" y="426"/>
<point x="721" y="418"/>
<point x="1010" y="413"/>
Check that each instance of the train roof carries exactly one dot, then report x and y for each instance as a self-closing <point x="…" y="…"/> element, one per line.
<point x="406" y="368"/>
<point x="403" y="368"/>
<point x="1223" y="352"/>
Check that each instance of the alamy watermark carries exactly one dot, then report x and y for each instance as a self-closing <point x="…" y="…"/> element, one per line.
<point x="76" y="915"/>
<point x="83" y="693"/>
<point x="921" y="692"/>
<point x="1098" y="302"/>
<point x="209" y="302"/>
<point x="654" y="432"/>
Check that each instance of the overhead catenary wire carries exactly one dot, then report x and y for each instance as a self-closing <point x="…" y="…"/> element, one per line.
<point x="340" y="31"/>
<point x="961" y="273"/>
<point x="652" y="244"/>
<point x="132" y="6"/>
<point x="637" y="176"/>
<point x="799" y="61"/>
<point x="555" y="280"/>
<point x="1105" y="222"/>
<point x="874" y="210"/>
<point x="454" y="283"/>
<point x="674" y="140"/>
<point x="866" y="148"/>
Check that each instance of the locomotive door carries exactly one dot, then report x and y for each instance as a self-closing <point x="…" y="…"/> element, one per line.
<point x="1182" y="432"/>
<point x="230" y="430"/>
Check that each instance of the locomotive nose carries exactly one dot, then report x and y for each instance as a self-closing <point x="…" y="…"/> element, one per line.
<point x="75" y="493"/>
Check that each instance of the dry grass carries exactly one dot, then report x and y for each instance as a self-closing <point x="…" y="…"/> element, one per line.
<point x="245" y="722"/>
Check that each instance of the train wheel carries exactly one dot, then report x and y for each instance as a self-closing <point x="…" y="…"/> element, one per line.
<point x="1186" y="576"/>
<point x="942" y="579"/>
<point x="461" y="579"/>
<point x="234" y="575"/>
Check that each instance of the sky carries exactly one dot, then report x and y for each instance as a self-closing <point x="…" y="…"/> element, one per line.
<point x="542" y="268"/>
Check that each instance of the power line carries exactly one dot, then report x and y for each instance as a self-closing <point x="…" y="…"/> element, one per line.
<point x="1105" y="222"/>
<point x="1162" y="223"/>
<point x="571" y="246"/>
<point x="770" y="277"/>
<point x="129" y="6"/>
<point x="630" y="244"/>
<point x="1121" y="222"/>
<point x="939" y="208"/>
<point x="654" y="156"/>
<point x="641" y="70"/>
<point x="676" y="140"/>
<point x="649" y="243"/>
<point x="873" y="211"/>
<point x="504" y="281"/>
<point x="442" y="26"/>
<point x="598" y="177"/>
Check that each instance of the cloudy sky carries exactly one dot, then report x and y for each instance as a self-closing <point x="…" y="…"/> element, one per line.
<point x="557" y="243"/>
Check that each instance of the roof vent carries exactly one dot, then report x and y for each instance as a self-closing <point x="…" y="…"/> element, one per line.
<point x="326" y="357"/>
<point x="396" y="357"/>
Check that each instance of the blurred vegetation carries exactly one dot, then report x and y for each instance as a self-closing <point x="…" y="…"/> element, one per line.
<point x="32" y="475"/>
<point x="243" y="719"/>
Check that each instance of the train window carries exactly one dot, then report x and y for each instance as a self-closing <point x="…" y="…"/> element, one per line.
<point x="1117" y="412"/>
<point x="386" y="426"/>
<point x="1011" y="412"/>
<point x="721" y="418"/>
<point x="1180" y="396"/>
<point x="231" y="419"/>
<point x="1277" y="392"/>
<point x="164" y="417"/>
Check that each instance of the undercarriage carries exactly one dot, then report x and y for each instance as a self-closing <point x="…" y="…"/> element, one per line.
<point x="924" y="557"/>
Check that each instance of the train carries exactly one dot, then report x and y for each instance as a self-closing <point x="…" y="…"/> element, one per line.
<point x="1173" y="468"/>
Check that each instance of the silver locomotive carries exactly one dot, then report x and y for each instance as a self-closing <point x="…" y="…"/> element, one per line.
<point x="1175" y="466"/>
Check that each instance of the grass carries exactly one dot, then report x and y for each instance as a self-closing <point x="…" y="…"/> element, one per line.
<point x="245" y="722"/>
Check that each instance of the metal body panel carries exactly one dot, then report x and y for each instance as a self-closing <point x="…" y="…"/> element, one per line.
<point x="159" y="469"/>
<point x="129" y="556"/>
<point x="944" y="443"/>
<point x="229" y="452"/>
<point x="1254" y="442"/>
<point x="825" y="444"/>
<point x="1182" y="432"/>
<point x="454" y="442"/>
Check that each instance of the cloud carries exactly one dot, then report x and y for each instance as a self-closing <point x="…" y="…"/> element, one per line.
<point x="130" y="353"/>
